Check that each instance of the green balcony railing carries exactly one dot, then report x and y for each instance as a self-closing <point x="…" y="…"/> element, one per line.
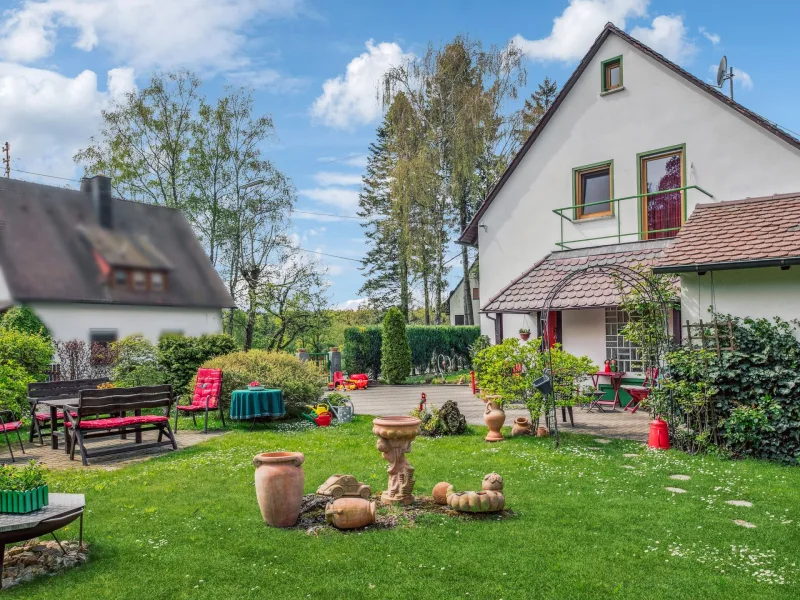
<point x="565" y="245"/>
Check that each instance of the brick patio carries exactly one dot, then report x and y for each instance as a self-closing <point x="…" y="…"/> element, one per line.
<point x="401" y="399"/>
<point x="57" y="459"/>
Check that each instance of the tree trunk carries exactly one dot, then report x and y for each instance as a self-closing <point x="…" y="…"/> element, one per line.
<point x="469" y="317"/>
<point x="425" y="287"/>
<point x="251" y="319"/>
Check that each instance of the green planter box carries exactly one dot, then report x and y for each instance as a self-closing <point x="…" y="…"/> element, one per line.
<point x="23" y="502"/>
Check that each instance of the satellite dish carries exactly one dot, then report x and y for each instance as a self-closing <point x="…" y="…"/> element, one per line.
<point x="722" y="71"/>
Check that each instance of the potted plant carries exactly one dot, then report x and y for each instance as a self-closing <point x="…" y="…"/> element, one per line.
<point x="23" y="489"/>
<point x="524" y="334"/>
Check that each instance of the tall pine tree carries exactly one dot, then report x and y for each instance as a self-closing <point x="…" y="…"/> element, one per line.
<point x="535" y="107"/>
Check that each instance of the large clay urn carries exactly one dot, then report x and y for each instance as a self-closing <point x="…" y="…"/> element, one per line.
<point x="494" y="417"/>
<point x="279" y="486"/>
<point x="395" y="435"/>
<point x="522" y="426"/>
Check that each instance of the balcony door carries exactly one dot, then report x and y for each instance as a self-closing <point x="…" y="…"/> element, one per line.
<point x="662" y="214"/>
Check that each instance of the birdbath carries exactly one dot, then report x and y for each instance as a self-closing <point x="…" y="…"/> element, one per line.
<point x="395" y="435"/>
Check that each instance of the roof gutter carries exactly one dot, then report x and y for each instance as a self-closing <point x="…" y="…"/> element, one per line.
<point x="729" y="265"/>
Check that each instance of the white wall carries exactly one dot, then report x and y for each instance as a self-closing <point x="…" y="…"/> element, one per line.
<point x="5" y="293"/>
<point x="726" y="154"/>
<point x="457" y="301"/>
<point x="757" y="293"/>
<point x="74" y="321"/>
<point x="584" y="333"/>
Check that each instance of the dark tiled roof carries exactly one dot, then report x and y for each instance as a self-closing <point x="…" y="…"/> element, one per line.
<point x="736" y="232"/>
<point x="470" y="234"/>
<point x="594" y="290"/>
<point x="46" y="255"/>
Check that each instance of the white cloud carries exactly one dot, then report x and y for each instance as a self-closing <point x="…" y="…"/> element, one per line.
<point x="342" y="198"/>
<point x="353" y="304"/>
<point x="330" y="178"/>
<point x="49" y="116"/>
<point x="144" y="33"/>
<point x="354" y="160"/>
<point x="668" y="36"/>
<point x="711" y="37"/>
<point x="576" y="28"/>
<point x="351" y="99"/>
<point x="121" y="81"/>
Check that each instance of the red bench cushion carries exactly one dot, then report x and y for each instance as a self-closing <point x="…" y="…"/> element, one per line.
<point x="113" y="422"/>
<point x="46" y="416"/>
<point x="12" y="426"/>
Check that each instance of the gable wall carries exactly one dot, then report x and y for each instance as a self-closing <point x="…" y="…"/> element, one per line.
<point x="727" y="154"/>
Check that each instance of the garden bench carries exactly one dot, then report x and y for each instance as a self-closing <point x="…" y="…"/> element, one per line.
<point x="52" y="394"/>
<point x="109" y="409"/>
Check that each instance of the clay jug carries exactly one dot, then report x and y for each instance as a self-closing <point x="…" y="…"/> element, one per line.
<point x="494" y="417"/>
<point x="350" y="513"/>
<point x="542" y="431"/>
<point x="522" y="426"/>
<point x="279" y="486"/>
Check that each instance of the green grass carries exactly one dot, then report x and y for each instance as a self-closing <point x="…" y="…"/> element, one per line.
<point x="186" y="525"/>
<point x="436" y="378"/>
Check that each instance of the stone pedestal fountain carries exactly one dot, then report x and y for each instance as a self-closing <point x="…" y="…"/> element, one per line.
<point x="395" y="435"/>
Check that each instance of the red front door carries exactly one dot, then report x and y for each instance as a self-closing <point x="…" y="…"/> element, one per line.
<point x="552" y="332"/>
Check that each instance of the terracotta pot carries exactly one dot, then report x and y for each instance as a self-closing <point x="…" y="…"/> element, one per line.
<point x="279" y="486"/>
<point x="522" y="426"/>
<point x="524" y="336"/>
<point x="494" y="417"/>
<point x="542" y="431"/>
<point x="440" y="492"/>
<point x="350" y="513"/>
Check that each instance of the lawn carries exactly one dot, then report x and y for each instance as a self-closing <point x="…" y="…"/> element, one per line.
<point x="186" y="525"/>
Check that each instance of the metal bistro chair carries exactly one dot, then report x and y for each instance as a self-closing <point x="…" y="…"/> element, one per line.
<point x="11" y="424"/>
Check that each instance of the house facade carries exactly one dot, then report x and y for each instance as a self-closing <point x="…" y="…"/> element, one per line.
<point x="97" y="268"/>
<point x="631" y="145"/>
<point x="456" y="301"/>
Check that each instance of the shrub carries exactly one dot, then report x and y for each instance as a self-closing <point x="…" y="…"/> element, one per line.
<point x="23" y="479"/>
<point x="395" y="351"/>
<point x="136" y="363"/>
<point x="31" y="352"/>
<point x="24" y="320"/>
<point x="14" y="382"/>
<point x="447" y="420"/>
<point x="180" y="356"/>
<point x="361" y="352"/>
<point x="300" y="382"/>
<point x="79" y="360"/>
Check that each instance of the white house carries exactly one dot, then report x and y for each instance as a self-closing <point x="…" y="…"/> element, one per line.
<point x="97" y="268"/>
<point x="455" y="301"/>
<point x="627" y="123"/>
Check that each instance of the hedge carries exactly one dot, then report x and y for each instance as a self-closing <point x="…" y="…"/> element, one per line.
<point x="362" y="347"/>
<point x="181" y="356"/>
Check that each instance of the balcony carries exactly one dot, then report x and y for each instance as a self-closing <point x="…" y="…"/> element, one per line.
<point x="666" y="211"/>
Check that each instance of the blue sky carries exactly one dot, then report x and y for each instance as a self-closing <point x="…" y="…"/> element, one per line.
<point x="314" y="66"/>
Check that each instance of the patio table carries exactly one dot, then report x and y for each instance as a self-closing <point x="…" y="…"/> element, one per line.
<point x="54" y="406"/>
<point x="62" y="510"/>
<point x="616" y="380"/>
<point x="252" y="404"/>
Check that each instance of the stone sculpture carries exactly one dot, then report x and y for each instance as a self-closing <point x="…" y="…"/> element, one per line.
<point x="453" y="422"/>
<point x="344" y="486"/>
<point x="491" y="499"/>
<point x="395" y="435"/>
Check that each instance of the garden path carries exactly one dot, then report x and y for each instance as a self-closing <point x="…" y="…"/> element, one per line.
<point x="382" y="400"/>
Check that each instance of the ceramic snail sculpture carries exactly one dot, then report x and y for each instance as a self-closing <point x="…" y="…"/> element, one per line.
<point x="491" y="499"/>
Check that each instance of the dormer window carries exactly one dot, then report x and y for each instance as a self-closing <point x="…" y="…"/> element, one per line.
<point x="157" y="282"/>
<point x="120" y="278"/>
<point x="611" y="75"/>
<point x="139" y="281"/>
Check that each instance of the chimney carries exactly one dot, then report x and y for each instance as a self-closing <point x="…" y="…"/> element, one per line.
<point x="99" y="187"/>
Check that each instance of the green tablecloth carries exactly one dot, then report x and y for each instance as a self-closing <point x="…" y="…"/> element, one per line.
<point x="247" y="404"/>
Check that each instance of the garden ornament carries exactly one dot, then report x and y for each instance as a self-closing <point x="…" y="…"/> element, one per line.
<point x="344" y="486"/>
<point x="395" y="435"/>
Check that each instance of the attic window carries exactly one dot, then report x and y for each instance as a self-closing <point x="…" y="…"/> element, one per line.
<point x="157" y="282"/>
<point x="611" y="74"/>
<point x="139" y="280"/>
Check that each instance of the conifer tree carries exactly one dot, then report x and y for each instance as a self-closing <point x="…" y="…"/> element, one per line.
<point x="395" y="351"/>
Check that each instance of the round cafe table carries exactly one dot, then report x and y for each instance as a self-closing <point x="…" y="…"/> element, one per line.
<point x="252" y="404"/>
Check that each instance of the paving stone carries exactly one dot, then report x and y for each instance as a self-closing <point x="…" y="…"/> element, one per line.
<point x="739" y="503"/>
<point x="628" y="467"/>
<point x="630" y="455"/>
<point x="680" y="477"/>
<point x="675" y="490"/>
<point x="743" y="523"/>
<point x="602" y="441"/>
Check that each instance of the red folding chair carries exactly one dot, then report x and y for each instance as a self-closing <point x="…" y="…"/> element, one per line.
<point x="205" y="398"/>
<point x="10" y="424"/>
<point x="639" y="393"/>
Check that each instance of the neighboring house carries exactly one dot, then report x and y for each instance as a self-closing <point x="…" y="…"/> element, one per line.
<point x="456" y="300"/>
<point x="740" y="258"/>
<point x="98" y="268"/>
<point x="628" y="122"/>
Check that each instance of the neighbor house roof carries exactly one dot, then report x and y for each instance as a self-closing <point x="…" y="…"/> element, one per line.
<point x="529" y="291"/>
<point x="50" y="239"/>
<point x="756" y="232"/>
<point x="470" y="234"/>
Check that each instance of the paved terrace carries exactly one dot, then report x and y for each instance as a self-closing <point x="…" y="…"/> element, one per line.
<point x="383" y="400"/>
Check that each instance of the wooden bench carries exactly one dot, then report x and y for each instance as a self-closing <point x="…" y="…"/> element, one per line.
<point x="113" y="405"/>
<point x="54" y="391"/>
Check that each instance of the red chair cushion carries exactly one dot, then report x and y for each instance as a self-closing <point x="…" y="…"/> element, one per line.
<point x="12" y="426"/>
<point x="207" y="389"/>
<point x="113" y="422"/>
<point x="46" y="416"/>
<point x="193" y="407"/>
